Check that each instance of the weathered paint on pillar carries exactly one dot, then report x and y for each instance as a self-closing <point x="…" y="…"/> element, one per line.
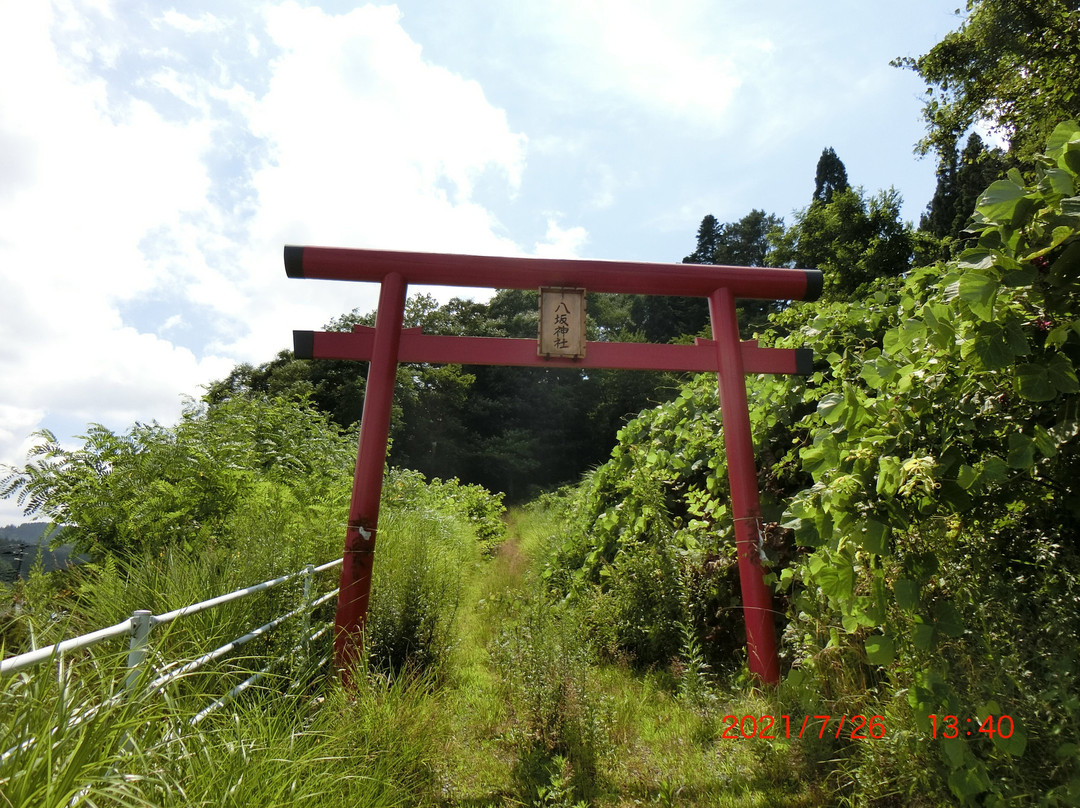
<point x="367" y="481"/>
<point x="742" y="476"/>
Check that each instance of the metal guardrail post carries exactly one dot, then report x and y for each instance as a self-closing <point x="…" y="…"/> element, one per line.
<point x="141" y="623"/>
<point x="305" y="618"/>
<point x="61" y="683"/>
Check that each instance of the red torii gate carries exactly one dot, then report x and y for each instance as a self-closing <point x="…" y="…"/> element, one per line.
<point x="385" y="345"/>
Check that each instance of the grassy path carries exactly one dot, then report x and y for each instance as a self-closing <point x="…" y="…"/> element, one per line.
<point x="524" y="721"/>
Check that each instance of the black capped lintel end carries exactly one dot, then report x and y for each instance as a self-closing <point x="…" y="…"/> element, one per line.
<point x="294" y="261"/>
<point x="804" y="361"/>
<point x="815" y="282"/>
<point x="303" y="344"/>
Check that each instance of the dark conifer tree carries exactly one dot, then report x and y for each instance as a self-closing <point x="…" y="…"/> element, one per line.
<point x="938" y="219"/>
<point x="978" y="168"/>
<point x="961" y="179"/>
<point x="831" y="176"/>
<point x="707" y="236"/>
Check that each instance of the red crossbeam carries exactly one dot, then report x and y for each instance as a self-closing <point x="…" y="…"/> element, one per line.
<point x="417" y="346"/>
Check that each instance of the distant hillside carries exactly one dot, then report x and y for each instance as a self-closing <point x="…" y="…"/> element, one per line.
<point x="26" y="533"/>
<point x="20" y="547"/>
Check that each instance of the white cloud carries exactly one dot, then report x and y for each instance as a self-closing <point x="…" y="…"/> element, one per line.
<point x="373" y="143"/>
<point x="205" y="22"/>
<point x="100" y="183"/>
<point x="109" y="203"/>
<point x="560" y="242"/>
<point x="673" y="59"/>
<point x="372" y="146"/>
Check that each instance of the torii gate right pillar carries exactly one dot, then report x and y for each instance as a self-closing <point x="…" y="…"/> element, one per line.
<point x="742" y="477"/>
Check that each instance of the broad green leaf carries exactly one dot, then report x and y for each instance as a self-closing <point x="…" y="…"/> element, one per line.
<point x="813" y="458"/>
<point x="1045" y="442"/>
<point x="1016" y="338"/>
<point x="990" y="346"/>
<point x="831" y="407"/>
<point x="976" y="258"/>
<point x="906" y="592"/>
<point x="1059" y="235"/>
<point x="837" y="581"/>
<point x="1059" y="182"/>
<point x="978" y="288"/>
<point x="1062" y="374"/>
<point x="1024" y="276"/>
<point x="947" y="619"/>
<point x="968" y="781"/>
<point x="1068" y="263"/>
<point x="1071" y="158"/>
<point x="877" y="604"/>
<point x="872" y="537"/>
<point x="878" y="372"/>
<point x="871" y="376"/>
<point x="1013" y="727"/>
<point x="994" y="470"/>
<point x="1033" y="382"/>
<point x="1063" y="134"/>
<point x="888" y="479"/>
<point x="999" y="201"/>
<point x="880" y="650"/>
<point x="937" y="319"/>
<point x="914" y="330"/>
<point x="1067" y="750"/>
<point x="966" y="477"/>
<point x="955" y="751"/>
<point x="1059" y="335"/>
<point x="1021" y="451"/>
<point x="806" y="534"/>
<point x="922" y="636"/>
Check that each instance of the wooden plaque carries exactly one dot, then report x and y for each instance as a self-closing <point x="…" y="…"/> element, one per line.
<point x="562" y="323"/>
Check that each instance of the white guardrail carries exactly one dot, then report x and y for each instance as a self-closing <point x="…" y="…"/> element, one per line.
<point x="142" y="622"/>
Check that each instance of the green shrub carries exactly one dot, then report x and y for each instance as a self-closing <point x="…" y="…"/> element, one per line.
<point x="421" y="562"/>
<point x="559" y="727"/>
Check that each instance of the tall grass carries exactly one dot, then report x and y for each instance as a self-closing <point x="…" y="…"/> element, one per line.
<point x="372" y="746"/>
<point x="476" y="689"/>
<point x="296" y="736"/>
<point x="423" y="559"/>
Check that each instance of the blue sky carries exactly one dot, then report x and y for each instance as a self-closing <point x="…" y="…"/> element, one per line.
<point x="155" y="158"/>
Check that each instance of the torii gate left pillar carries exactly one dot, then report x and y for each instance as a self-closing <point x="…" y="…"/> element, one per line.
<point x="385" y="345"/>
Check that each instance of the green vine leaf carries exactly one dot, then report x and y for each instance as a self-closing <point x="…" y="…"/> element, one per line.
<point x="1021" y="451"/>
<point x="880" y="650"/>
<point x="1033" y="382"/>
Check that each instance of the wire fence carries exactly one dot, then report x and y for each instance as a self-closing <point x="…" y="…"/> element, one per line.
<point x="139" y="629"/>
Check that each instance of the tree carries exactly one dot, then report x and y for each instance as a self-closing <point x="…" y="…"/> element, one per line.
<point x="941" y="211"/>
<point x="961" y="180"/>
<point x="744" y="243"/>
<point x="155" y="487"/>
<point x="831" y="176"/>
<point x="851" y="238"/>
<point x="708" y="237"/>
<point x="509" y="429"/>
<point x="1013" y="64"/>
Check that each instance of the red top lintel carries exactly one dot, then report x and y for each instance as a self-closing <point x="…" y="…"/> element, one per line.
<point x="625" y="277"/>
